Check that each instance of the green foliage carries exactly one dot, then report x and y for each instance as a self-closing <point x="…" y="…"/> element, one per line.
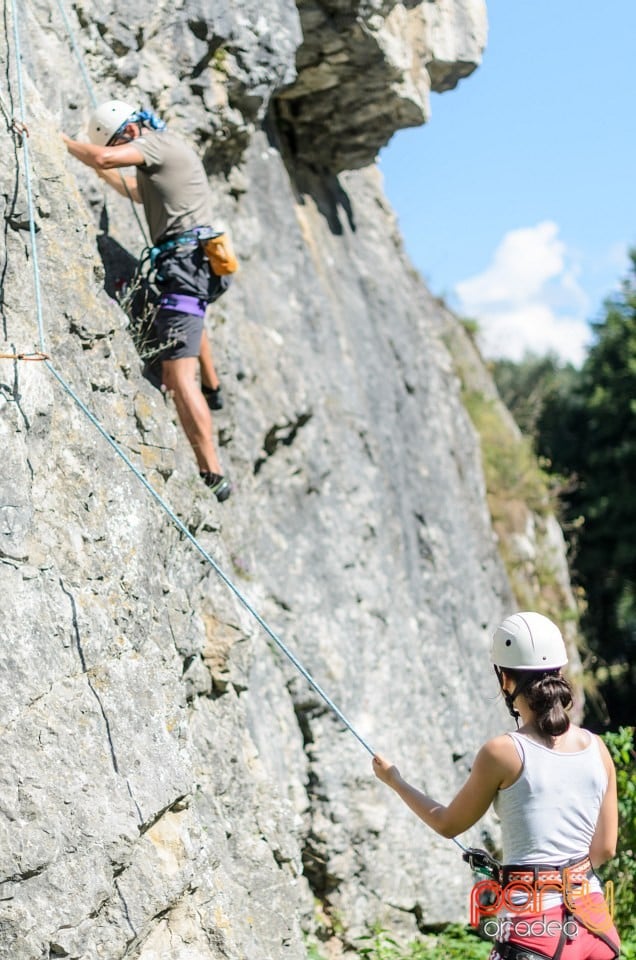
<point x="515" y="482"/>
<point x="313" y="952"/>
<point x="139" y="302"/>
<point x="591" y="433"/>
<point x="628" y="948"/>
<point x="380" y="945"/>
<point x="452" y="943"/>
<point x="621" y="870"/>
<point x="219" y="59"/>
<point x="511" y="467"/>
<point x="526" y="386"/>
<point x="471" y="326"/>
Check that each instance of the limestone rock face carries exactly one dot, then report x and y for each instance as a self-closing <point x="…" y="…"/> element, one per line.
<point x="171" y="788"/>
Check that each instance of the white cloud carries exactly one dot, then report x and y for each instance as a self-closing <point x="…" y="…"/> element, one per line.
<point x="529" y="298"/>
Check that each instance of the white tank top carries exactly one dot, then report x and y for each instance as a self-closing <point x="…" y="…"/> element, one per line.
<point x="549" y="814"/>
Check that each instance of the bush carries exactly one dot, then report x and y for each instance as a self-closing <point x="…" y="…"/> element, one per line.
<point x="621" y="870"/>
<point x="454" y="942"/>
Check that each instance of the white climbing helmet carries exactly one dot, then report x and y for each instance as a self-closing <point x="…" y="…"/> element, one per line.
<point x="107" y="119"/>
<point x="528" y="641"/>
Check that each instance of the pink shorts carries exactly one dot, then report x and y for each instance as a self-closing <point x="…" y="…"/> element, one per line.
<point x="542" y="932"/>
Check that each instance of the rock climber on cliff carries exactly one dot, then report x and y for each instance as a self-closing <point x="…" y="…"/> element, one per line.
<point x="171" y="184"/>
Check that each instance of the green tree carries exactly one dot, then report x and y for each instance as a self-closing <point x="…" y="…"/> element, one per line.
<point x="607" y="556"/>
<point x="526" y="386"/>
<point x="621" y="870"/>
<point x="589" y="432"/>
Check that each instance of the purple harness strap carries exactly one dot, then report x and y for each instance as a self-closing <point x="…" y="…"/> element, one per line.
<point x="182" y="303"/>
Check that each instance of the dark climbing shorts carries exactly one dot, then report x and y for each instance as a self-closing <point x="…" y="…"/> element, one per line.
<point x="184" y="271"/>
<point x="179" y="334"/>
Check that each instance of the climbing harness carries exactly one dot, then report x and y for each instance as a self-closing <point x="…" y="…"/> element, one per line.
<point x="149" y="271"/>
<point x="573" y="872"/>
<point x="188" y="239"/>
<point x="141" y="298"/>
<point x="216" y="246"/>
<point x="528" y="877"/>
<point x="182" y="303"/>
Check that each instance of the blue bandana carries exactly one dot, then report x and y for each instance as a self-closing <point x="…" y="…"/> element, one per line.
<point x="147" y="117"/>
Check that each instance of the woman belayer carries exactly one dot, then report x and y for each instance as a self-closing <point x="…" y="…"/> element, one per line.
<point x="553" y="786"/>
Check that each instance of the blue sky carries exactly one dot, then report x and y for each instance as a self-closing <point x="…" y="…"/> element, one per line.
<point x="517" y="201"/>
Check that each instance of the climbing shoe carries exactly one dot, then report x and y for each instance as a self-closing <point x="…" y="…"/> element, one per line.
<point x="213" y="397"/>
<point x="219" y="486"/>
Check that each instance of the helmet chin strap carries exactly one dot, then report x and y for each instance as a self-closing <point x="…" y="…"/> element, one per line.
<point x="125" y="138"/>
<point x="510" y="697"/>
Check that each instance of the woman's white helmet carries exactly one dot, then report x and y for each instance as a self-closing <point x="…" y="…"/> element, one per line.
<point x="528" y="641"/>
<point x="106" y="120"/>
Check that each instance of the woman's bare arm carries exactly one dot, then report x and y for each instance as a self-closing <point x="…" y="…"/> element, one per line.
<point x="603" y="845"/>
<point x="496" y="763"/>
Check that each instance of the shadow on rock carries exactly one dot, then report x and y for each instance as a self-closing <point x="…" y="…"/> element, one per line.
<point x="126" y="281"/>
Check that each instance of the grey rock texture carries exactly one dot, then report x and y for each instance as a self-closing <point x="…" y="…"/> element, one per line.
<point x="366" y="70"/>
<point x="170" y="788"/>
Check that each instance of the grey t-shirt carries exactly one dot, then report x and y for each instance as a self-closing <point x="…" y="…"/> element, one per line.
<point x="172" y="183"/>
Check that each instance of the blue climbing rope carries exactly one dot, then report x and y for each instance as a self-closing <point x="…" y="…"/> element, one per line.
<point x="76" y="50"/>
<point x="206" y="556"/>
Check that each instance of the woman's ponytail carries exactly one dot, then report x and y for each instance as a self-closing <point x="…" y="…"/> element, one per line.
<point x="549" y="696"/>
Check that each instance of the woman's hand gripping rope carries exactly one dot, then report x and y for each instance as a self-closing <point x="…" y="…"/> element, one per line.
<point x="385" y="771"/>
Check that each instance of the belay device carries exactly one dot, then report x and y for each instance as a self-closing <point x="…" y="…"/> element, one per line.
<point x="483" y="866"/>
